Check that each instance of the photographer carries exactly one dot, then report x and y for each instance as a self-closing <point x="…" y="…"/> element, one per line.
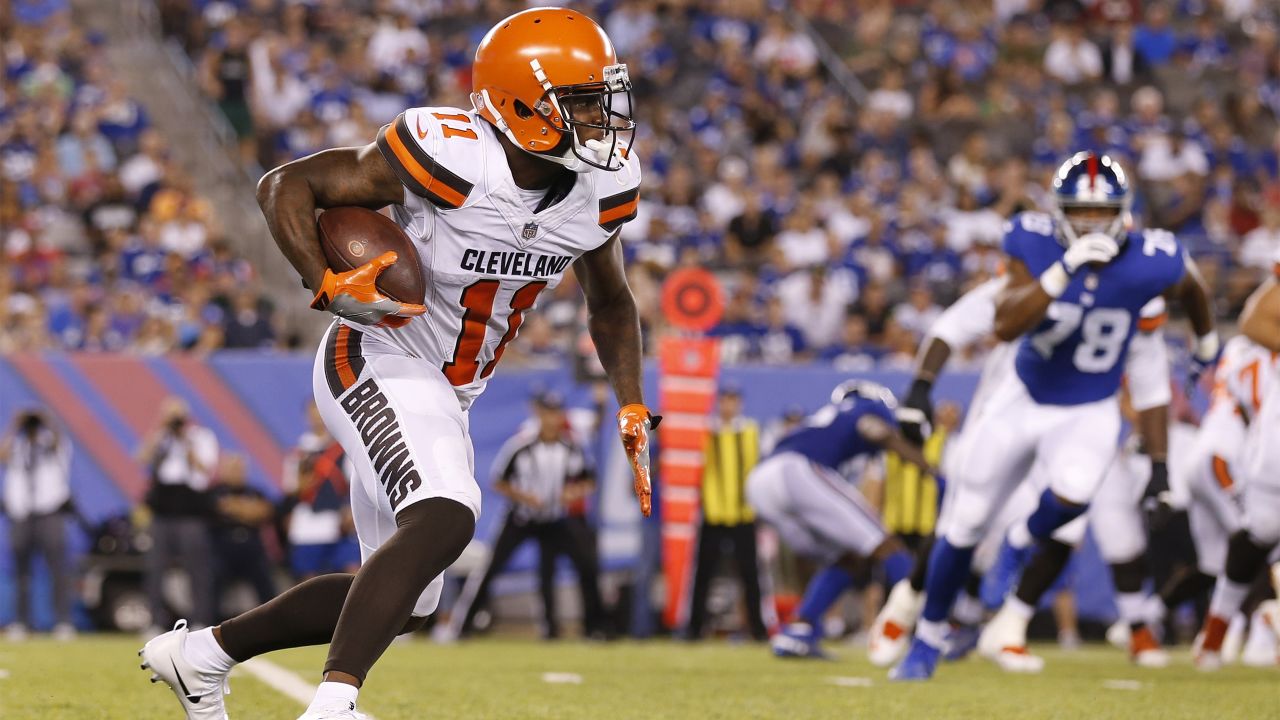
<point x="37" y="496"/>
<point x="179" y="457"/>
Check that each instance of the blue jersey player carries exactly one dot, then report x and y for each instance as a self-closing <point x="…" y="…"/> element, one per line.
<point x="800" y="491"/>
<point x="1076" y="282"/>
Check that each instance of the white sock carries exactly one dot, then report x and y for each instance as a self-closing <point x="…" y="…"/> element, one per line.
<point x="204" y="653"/>
<point x="1228" y="596"/>
<point x="1020" y="535"/>
<point x="1019" y="608"/>
<point x="933" y="634"/>
<point x="1132" y="607"/>
<point x="968" y="609"/>
<point x="334" y="694"/>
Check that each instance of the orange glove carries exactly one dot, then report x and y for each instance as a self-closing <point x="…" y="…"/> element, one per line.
<point x="354" y="296"/>
<point x="634" y="423"/>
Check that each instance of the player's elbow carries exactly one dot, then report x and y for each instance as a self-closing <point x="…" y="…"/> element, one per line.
<point x="274" y="183"/>
<point x="1006" y="328"/>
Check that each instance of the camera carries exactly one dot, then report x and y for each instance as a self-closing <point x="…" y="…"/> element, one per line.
<point x="30" y="422"/>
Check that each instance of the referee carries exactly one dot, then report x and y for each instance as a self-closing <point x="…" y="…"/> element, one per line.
<point x="541" y="475"/>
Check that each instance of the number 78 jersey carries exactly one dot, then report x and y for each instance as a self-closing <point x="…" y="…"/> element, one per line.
<point x="1075" y="355"/>
<point x="486" y="255"/>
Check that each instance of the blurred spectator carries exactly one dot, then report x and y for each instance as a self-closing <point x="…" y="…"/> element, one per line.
<point x="1122" y="64"/>
<point x="1262" y="244"/>
<point x="240" y="515"/>
<point x="179" y="457"/>
<point x="37" y="497"/>
<point x="319" y="525"/>
<point x="1071" y="57"/>
<point x="1155" y="38"/>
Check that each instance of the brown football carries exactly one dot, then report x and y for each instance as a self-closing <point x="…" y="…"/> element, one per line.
<point x="352" y="236"/>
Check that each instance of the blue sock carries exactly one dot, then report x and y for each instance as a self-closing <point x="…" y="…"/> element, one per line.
<point x="948" y="571"/>
<point x="1052" y="514"/>
<point x="823" y="591"/>
<point x="896" y="567"/>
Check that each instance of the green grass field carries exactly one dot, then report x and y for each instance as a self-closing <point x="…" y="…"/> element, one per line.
<point x="98" y="677"/>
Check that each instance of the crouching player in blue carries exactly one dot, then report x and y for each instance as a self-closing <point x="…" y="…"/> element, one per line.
<point x="1076" y="283"/>
<point x="800" y="491"/>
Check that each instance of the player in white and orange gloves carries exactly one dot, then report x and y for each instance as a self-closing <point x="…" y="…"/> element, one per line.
<point x="354" y="295"/>
<point x="634" y="423"/>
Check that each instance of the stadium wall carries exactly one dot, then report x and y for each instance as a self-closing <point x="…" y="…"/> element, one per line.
<point x="255" y="402"/>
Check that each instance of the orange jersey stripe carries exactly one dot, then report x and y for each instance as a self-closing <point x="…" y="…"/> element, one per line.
<point x="1222" y="472"/>
<point x="340" y="362"/>
<point x="619" y="212"/>
<point x="1151" y="324"/>
<point x="419" y="173"/>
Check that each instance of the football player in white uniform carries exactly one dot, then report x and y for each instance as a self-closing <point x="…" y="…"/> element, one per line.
<point x="500" y="200"/>
<point x="1259" y="531"/>
<point x="967" y="322"/>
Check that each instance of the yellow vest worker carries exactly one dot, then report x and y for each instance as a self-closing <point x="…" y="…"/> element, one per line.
<point x="910" y="496"/>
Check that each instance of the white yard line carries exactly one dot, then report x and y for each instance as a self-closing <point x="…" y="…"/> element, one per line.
<point x="859" y="682"/>
<point x="1122" y="684"/>
<point x="4" y="674"/>
<point x="562" y="678"/>
<point x="286" y="682"/>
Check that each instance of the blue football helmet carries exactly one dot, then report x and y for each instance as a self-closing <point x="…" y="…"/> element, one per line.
<point x="864" y="389"/>
<point x="1086" y="182"/>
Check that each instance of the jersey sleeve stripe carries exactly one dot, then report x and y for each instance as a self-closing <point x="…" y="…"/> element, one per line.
<point x="419" y="172"/>
<point x="618" y="209"/>
<point x="1222" y="473"/>
<point x="1151" y="324"/>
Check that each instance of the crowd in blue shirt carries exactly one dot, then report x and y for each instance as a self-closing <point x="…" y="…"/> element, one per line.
<point x="842" y="208"/>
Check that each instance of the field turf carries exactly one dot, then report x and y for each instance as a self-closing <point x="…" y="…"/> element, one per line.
<point x="98" y="677"/>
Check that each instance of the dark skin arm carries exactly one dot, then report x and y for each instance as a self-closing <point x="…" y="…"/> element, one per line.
<point x="613" y="320"/>
<point x="931" y="359"/>
<point x="1193" y="295"/>
<point x="290" y="195"/>
<point x="877" y="431"/>
<point x="1260" y="321"/>
<point x="1022" y="304"/>
<point x="1153" y="425"/>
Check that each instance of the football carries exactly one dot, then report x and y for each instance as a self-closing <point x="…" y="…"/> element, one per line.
<point x="352" y="236"/>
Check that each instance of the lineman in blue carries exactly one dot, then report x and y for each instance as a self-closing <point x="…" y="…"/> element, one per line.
<point x="1076" y="282"/>
<point x="800" y="491"/>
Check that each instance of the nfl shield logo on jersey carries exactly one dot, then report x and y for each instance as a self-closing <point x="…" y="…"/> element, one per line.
<point x="530" y="231"/>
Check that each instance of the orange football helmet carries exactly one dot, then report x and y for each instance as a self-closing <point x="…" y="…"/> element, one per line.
<point x="548" y="79"/>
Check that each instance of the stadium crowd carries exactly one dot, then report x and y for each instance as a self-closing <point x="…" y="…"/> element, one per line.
<point x="841" y="211"/>
<point x="104" y="244"/>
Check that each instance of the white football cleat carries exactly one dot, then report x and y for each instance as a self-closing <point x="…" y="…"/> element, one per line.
<point x="1145" y="650"/>
<point x="891" y="632"/>
<point x="1004" y="642"/>
<point x="1262" y="648"/>
<point x="335" y="712"/>
<point x="1119" y="634"/>
<point x="200" y="692"/>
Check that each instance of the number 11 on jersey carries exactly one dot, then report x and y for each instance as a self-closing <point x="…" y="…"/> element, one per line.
<point x="477" y="299"/>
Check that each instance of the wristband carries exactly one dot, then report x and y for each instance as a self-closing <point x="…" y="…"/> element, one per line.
<point x="1207" y="346"/>
<point x="1055" y="280"/>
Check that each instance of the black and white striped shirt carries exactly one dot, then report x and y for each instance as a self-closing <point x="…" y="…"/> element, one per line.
<point x="541" y="469"/>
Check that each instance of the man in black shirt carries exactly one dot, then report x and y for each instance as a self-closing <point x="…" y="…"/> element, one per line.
<point x="241" y="513"/>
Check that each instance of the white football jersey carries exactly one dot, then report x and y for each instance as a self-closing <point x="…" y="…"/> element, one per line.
<point x="486" y="255"/>
<point x="1245" y="373"/>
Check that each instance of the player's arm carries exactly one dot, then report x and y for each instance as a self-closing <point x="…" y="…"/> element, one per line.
<point x="1023" y="302"/>
<point x="289" y="197"/>
<point x="1026" y="299"/>
<point x="1260" y="321"/>
<point x="614" y="324"/>
<point x="1194" y="296"/>
<point x="880" y="432"/>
